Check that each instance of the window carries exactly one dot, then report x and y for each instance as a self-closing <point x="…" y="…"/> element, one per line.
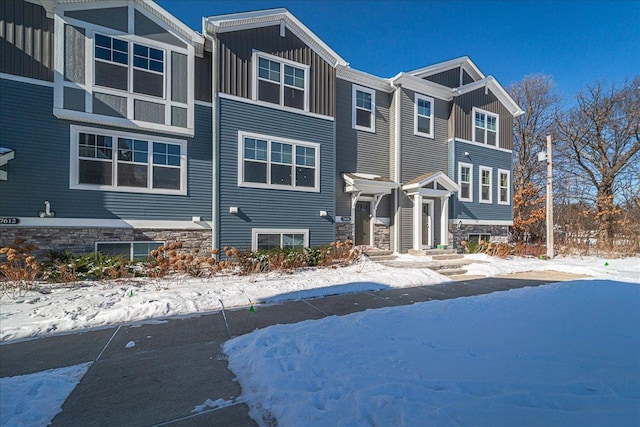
<point x="111" y="66"/>
<point x="465" y="180"/>
<point x="270" y="162"/>
<point x="485" y="129"/>
<point x="363" y="109"/>
<point x="130" y="250"/>
<point x="477" y="237"/>
<point x="124" y="162"/>
<point x="266" y="239"/>
<point x="504" y="184"/>
<point x="485" y="185"/>
<point x="423" y="117"/>
<point x="280" y="81"/>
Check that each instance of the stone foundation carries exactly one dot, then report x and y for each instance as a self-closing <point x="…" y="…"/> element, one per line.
<point x="382" y="237"/>
<point x="499" y="233"/>
<point x="82" y="240"/>
<point x="344" y="231"/>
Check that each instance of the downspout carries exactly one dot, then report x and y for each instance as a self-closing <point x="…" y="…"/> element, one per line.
<point x="396" y="173"/>
<point x="214" y="141"/>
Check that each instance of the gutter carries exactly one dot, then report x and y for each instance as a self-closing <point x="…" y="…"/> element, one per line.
<point x="215" y="220"/>
<point x="396" y="173"/>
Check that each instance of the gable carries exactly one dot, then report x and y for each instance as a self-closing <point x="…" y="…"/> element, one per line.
<point x="116" y="18"/>
<point x="145" y="27"/>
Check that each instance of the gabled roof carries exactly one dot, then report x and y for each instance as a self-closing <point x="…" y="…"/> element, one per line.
<point x="495" y="87"/>
<point x="151" y="7"/>
<point x="265" y="18"/>
<point x="436" y="177"/>
<point x="365" y="79"/>
<point x="464" y="61"/>
<point x="368" y="184"/>
<point x="426" y="87"/>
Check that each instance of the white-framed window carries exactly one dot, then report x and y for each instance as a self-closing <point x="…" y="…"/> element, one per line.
<point x="485" y="127"/>
<point x="130" y="250"/>
<point x="118" y="161"/>
<point x="504" y="187"/>
<point x="423" y="116"/>
<point x="477" y="237"/>
<point x="274" y="238"/>
<point x="114" y="67"/>
<point x="280" y="81"/>
<point x="465" y="180"/>
<point x="280" y="163"/>
<point x="363" y="111"/>
<point x="485" y="190"/>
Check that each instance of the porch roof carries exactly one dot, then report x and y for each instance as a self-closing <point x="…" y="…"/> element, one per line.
<point x="368" y="184"/>
<point x="437" y="178"/>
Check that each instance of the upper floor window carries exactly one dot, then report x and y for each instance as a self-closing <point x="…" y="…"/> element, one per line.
<point x="504" y="186"/>
<point x="363" y="108"/>
<point x="423" y="116"/>
<point x="112" y="70"/>
<point x="280" y="81"/>
<point x="485" y="185"/>
<point x="117" y="161"/>
<point x="268" y="162"/>
<point x="485" y="128"/>
<point x="465" y="180"/>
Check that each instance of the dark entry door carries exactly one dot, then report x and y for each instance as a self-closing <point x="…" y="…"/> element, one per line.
<point x="363" y="223"/>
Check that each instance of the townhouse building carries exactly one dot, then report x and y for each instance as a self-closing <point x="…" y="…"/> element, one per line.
<point x="121" y="129"/>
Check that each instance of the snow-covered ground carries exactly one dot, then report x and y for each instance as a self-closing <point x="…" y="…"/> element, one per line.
<point x="102" y="304"/>
<point x="567" y="352"/>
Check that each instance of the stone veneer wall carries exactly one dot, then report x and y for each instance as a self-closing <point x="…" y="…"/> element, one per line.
<point x="82" y="240"/>
<point x="382" y="237"/>
<point x="499" y="233"/>
<point x="344" y="231"/>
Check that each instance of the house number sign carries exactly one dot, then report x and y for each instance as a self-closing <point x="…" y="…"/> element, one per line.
<point x="9" y="221"/>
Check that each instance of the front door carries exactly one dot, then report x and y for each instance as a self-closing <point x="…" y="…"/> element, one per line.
<point x="426" y="226"/>
<point x="363" y="223"/>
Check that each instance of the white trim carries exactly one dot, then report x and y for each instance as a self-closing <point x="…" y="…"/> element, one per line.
<point x="423" y="86"/>
<point x="418" y="97"/>
<point x="470" y="166"/>
<point x="27" y="80"/>
<point x="354" y="89"/>
<point x="418" y="203"/>
<point x="281" y="231"/>
<point x="479" y="144"/>
<point x="130" y="242"/>
<point x="492" y="84"/>
<point x="203" y="103"/>
<point x="295" y="143"/>
<point x="480" y="222"/>
<point x="274" y="106"/>
<point x="110" y="223"/>
<point x="464" y="62"/>
<point x="360" y="77"/>
<point x="508" y="173"/>
<point x="480" y="184"/>
<point x="255" y="59"/>
<point x="74" y="183"/>
<point x="486" y="113"/>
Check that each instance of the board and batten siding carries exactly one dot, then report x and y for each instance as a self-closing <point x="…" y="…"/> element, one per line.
<point x="464" y="120"/>
<point x="450" y="78"/>
<point x="40" y="170"/>
<point x="481" y="156"/>
<point x="360" y="151"/>
<point x="26" y="35"/>
<point x="202" y="83"/>
<point x="272" y="208"/>
<point x="235" y="66"/>
<point x="419" y="154"/>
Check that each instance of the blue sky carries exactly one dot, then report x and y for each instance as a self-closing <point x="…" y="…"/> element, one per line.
<point x="576" y="42"/>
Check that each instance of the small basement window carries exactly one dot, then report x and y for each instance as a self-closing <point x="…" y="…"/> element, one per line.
<point x="477" y="237"/>
<point x="131" y="250"/>
<point x="266" y="239"/>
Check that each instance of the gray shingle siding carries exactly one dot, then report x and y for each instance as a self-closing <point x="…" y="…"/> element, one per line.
<point x="481" y="156"/>
<point x="272" y="208"/>
<point x="360" y="151"/>
<point x="40" y="170"/>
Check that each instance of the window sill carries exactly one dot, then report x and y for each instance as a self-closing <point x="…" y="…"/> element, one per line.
<point x="424" y="135"/>
<point x="486" y="202"/>
<point x="127" y="189"/>
<point x="278" y="187"/>
<point x="363" y="129"/>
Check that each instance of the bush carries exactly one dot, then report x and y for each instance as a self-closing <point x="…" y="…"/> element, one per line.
<point x="67" y="267"/>
<point x="18" y="270"/>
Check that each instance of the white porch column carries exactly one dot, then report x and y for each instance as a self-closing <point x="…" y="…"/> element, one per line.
<point x="417" y="222"/>
<point x="444" y="220"/>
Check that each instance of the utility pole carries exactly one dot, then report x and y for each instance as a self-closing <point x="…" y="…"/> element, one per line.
<point x="549" y="199"/>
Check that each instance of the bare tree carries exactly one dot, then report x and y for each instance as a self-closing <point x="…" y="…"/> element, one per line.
<point x="535" y="94"/>
<point x="600" y="140"/>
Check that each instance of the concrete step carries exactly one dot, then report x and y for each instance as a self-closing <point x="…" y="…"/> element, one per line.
<point x="444" y="257"/>
<point x="379" y="258"/>
<point x="452" y="271"/>
<point x="431" y="252"/>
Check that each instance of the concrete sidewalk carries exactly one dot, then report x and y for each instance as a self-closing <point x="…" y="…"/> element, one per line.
<point x="177" y="363"/>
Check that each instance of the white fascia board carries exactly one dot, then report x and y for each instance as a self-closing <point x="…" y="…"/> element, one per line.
<point x="424" y="87"/>
<point x="463" y="61"/>
<point x="439" y="178"/>
<point x="497" y="90"/>
<point x="364" y="79"/>
<point x="112" y="223"/>
<point x="262" y="18"/>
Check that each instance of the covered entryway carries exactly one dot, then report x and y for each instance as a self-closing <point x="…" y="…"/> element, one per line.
<point x="425" y="191"/>
<point x="367" y="192"/>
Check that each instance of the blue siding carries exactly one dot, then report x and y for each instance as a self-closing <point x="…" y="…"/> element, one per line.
<point x="40" y="170"/>
<point x="271" y="208"/>
<point x="481" y="156"/>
